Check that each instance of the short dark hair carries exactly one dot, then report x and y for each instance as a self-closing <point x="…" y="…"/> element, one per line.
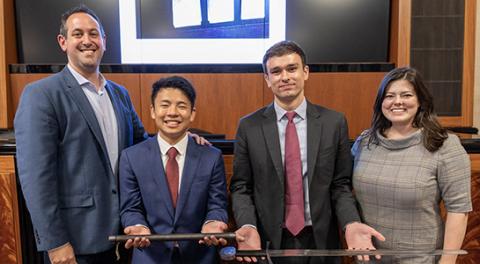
<point x="78" y="9"/>
<point x="175" y="82"/>
<point x="433" y="133"/>
<point x="283" y="48"/>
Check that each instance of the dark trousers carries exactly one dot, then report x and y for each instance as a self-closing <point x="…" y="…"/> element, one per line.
<point x="304" y="240"/>
<point x="176" y="256"/>
<point x="106" y="257"/>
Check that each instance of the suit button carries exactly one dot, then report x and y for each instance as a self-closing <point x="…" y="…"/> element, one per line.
<point x="114" y="191"/>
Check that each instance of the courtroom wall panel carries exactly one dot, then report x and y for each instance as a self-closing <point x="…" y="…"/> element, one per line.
<point x="8" y="55"/>
<point x="222" y="99"/>
<point x="18" y="82"/>
<point x="350" y="93"/>
<point x="131" y="81"/>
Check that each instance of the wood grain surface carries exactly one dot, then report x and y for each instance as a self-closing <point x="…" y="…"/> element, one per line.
<point x="10" y="249"/>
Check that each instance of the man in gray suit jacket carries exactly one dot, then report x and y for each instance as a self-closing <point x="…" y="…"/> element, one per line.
<point x="259" y="184"/>
<point x="70" y="129"/>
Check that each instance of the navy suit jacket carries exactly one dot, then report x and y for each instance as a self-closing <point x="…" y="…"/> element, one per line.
<point x="145" y="199"/>
<point x="64" y="170"/>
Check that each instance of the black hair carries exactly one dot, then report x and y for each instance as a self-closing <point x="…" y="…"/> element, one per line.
<point x="175" y="82"/>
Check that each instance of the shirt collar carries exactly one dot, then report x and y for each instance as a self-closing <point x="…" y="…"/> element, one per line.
<point x="181" y="145"/>
<point x="82" y="81"/>
<point x="301" y="110"/>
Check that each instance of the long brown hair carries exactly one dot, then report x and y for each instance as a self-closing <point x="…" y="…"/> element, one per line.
<point x="433" y="133"/>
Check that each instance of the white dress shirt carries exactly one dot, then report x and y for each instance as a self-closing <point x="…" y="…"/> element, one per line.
<point x="181" y="147"/>
<point x="106" y="118"/>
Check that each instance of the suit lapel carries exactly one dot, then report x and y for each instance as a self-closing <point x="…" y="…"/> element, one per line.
<point x="192" y="160"/>
<point x="314" y="134"/>
<point x="157" y="173"/>
<point x="270" y="133"/>
<point x="76" y="94"/>
<point x="119" y="114"/>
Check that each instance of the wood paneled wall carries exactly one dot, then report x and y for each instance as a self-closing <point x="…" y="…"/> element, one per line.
<point x="472" y="237"/>
<point x="350" y="93"/>
<point x="10" y="251"/>
<point x="400" y="28"/>
<point x="466" y="118"/>
<point x="235" y="89"/>
<point x="223" y="98"/>
<point x="8" y="55"/>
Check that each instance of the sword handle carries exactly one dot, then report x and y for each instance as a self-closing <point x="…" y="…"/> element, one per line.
<point x="229" y="253"/>
<point x="172" y="237"/>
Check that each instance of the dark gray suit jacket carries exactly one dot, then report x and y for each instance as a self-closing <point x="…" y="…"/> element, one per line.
<point x="257" y="185"/>
<point x="63" y="165"/>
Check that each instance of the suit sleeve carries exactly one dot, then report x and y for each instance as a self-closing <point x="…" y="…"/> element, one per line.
<point x="217" y="196"/>
<point x="132" y="211"/>
<point x="342" y="196"/>
<point x="241" y="185"/>
<point x="38" y="138"/>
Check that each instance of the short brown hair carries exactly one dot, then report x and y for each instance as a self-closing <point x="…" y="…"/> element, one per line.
<point x="283" y="48"/>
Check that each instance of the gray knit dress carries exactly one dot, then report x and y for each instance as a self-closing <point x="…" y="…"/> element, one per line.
<point x="399" y="185"/>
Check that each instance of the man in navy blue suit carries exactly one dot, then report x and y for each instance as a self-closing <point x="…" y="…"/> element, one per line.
<point x="70" y="129"/>
<point x="169" y="184"/>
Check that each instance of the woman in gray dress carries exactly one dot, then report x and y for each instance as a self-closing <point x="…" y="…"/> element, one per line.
<point x="405" y="165"/>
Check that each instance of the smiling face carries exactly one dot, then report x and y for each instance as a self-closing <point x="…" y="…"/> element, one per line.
<point x="83" y="43"/>
<point x="286" y="76"/>
<point x="400" y="103"/>
<point x="173" y="113"/>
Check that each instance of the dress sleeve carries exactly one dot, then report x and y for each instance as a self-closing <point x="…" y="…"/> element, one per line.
<point x="454" y="175"/>
<point x="357" y="145"/>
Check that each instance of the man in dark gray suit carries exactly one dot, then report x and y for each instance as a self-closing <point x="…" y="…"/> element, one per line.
<point x="301" y="207"/>
<point x="70" y="129"/>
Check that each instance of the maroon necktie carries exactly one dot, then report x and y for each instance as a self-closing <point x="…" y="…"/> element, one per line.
<point x="294" y="205"/>
<point x="172" y="174"/>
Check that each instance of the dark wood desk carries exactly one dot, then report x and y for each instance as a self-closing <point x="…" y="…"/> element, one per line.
<point x="15" y="226"/>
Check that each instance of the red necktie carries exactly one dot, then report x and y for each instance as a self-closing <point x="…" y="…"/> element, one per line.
<point x="294" y="205"/>
<point x="172" y="174"/>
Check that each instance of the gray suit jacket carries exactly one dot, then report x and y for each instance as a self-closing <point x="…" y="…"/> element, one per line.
<point x="257" y="185"/>
<point x="65" y="173"/>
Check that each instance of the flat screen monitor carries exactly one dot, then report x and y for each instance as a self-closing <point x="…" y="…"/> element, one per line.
<point x="213" y="31"/>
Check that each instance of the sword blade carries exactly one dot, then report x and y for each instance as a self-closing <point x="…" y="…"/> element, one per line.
<point x="344" y="252"/>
